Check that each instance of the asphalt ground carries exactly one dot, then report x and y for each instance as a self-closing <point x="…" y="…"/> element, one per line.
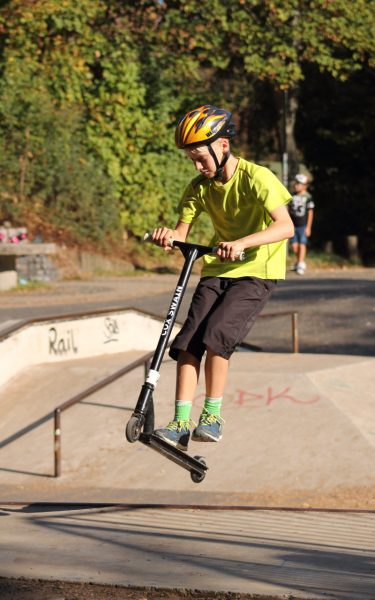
<point x="278" y="554"/>
<point x="226" y="554"/>
<point x="336" y="308"/>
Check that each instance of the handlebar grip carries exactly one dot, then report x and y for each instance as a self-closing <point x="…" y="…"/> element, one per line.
<point x="240" y="256"/>
<point x="147" y="238"/>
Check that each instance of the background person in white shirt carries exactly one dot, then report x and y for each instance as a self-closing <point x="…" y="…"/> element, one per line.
<point x="301" y="210"/>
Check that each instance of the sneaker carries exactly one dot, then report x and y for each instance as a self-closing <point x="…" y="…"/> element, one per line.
<point x="300" y="270"/>
<point x="293" y="267"/>
<point x="176" y="433"/>
<point x="210" y="428"/>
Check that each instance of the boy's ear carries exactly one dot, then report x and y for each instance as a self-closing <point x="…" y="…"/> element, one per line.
<point x="224" y="143"/>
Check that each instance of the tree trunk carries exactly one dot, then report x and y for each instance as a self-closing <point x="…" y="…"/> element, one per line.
<point x="288" y="106"/>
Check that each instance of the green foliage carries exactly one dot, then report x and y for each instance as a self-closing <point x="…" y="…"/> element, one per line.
<point x="45" y="168"/>
<point x="272" y="38"/>
<point x="285" y="34"/>
<point x="90" y="93"/>
<point x="86" y="55"/>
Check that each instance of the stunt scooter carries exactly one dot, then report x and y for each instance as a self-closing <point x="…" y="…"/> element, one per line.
<point x="140" y="426"/>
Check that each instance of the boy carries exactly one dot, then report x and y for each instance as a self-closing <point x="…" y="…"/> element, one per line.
<point x="301" y="210"/>
<point x="247" y="206"/>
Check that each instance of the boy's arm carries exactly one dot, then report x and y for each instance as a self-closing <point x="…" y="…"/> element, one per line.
<point x="310" y="218"/>
<point x="163" y="235"/>
<point x="281" y="228"/>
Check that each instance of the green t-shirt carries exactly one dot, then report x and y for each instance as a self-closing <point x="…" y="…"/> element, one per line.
<point x="237" y="208"/>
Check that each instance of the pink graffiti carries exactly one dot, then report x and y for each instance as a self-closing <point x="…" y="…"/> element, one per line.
<point x="256" y="400"/>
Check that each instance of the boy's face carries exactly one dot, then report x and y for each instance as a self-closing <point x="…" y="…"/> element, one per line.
<point x="300" y="187"/>
<point x="202" y="159"/>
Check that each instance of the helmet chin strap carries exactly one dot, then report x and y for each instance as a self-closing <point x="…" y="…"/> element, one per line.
<point x="219" y="167"/>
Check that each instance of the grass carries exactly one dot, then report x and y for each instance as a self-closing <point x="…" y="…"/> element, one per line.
<point x="322" y="260"/>
<point x="29" y="286"/>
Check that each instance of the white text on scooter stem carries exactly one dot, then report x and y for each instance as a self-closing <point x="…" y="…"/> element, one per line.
<point x="172" y="310"/>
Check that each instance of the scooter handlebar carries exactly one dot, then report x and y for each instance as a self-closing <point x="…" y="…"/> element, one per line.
<point x="210" y="249"/>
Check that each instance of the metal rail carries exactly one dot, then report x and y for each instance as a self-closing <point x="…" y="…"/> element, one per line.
<point x="294" y="326"/>
<point x="145" y="361"/>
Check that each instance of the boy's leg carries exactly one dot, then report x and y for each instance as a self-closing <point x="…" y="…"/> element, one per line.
<point x="216" y="371"/>
<point x="301" y="253"/>
<point x="188" y="368"/>
<point x="177" y="432"/>
<point x="228" y="325"/>
<point x="187" y="349"/>
<point x="210" y="422"/>
<point x="295" y="249"/>
<point x="301" y="265"/>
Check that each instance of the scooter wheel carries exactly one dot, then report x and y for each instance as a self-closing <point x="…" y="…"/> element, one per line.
<point x="133" y="429"/>
<point x="195" y="475"/>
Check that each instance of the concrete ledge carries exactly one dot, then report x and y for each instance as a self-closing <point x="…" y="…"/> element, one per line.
<point x="10" y="253"/>
<point x="75" y="338"/>
<point x="26" y="249"/>
<point x="8" y="280"/>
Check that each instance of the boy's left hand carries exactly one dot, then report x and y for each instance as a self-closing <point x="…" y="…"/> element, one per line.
<point x="229" y="250"/>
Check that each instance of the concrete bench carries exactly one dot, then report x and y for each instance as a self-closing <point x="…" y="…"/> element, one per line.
<point x="9" y="253"/>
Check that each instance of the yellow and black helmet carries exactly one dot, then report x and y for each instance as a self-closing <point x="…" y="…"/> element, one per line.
<point x="204" y="125"/>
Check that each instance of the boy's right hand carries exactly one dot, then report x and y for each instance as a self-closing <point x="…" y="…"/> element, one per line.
<point x="163" y="237"/>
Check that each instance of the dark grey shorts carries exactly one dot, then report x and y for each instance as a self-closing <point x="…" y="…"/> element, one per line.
<point x="221" y="314"/>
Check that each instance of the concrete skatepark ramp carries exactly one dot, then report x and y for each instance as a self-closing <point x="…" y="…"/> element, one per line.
<point x="298" y="428"/>
<point x="299" y="433"/>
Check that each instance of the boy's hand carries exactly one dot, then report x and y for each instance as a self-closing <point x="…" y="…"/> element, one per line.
<point x="229" y="250"/>
<point x="163" y="237"/>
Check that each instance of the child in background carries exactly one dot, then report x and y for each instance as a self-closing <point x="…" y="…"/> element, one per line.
<point x="301" y="210"/>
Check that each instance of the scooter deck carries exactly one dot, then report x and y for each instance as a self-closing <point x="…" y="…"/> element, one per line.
<point x="190" y="463"/>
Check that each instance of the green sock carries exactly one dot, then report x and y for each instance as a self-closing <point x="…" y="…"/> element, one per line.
<point x="182" y="410"/>
<point x="213" y="405"/>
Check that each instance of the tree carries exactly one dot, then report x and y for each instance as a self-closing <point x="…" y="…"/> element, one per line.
<point x="130" y="69"/>
<point x="335" y="130"/>
<point x="46" y="171"/>
<point x="84" y="56"/>
<point x="272" y="40"/>
<point x="289" y="47"/>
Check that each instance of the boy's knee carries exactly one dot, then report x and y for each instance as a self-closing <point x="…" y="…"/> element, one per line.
<point x="185" y="357"/>
<point x="212" y="353"/>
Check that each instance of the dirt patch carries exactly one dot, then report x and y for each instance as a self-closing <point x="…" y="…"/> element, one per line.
<point x="22" y="589"/>
<point x="340" y="497"/>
